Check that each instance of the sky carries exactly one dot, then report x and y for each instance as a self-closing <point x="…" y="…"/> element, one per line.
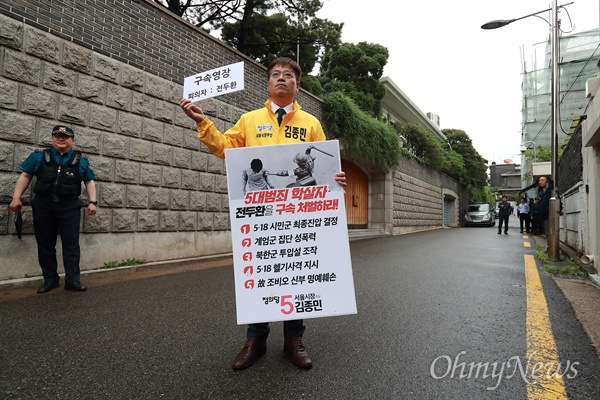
<point x="446" y="64"/>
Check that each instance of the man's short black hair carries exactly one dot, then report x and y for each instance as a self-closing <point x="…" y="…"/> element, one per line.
<point x="287" y="62"/>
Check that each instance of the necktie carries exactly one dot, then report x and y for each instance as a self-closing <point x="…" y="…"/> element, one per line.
<point x="280" y="113"/>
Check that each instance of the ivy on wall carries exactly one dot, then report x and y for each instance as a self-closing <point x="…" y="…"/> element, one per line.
<point x="362" y="136"/>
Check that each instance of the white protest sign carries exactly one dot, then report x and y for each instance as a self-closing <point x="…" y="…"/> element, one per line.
<point x="290" y="241"/>
<point x="216" y="82"/>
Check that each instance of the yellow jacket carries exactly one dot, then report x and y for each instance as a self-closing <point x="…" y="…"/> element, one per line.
<point x="259" y="128"/>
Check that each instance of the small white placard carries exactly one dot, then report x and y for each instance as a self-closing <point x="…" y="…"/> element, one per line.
<point x="216" y="82"/>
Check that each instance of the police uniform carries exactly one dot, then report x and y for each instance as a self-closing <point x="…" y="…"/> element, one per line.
<point x="56" y="208"/>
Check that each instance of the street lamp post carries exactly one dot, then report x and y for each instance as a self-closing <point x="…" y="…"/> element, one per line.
<point x="553" y="223"/>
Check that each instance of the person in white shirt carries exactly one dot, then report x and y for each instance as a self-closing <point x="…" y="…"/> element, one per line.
<point x="523" y="213"/>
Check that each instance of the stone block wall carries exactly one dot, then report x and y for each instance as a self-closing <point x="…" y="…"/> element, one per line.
<point x="416" y="203"/>
<point x="419" y="194"/>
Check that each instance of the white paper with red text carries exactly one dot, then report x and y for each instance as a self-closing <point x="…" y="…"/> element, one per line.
<point x="290" y="244"/>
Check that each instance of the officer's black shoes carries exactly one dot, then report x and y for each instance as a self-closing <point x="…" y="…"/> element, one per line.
<point x="48" y="286"/>
<point x="76" y="287"/>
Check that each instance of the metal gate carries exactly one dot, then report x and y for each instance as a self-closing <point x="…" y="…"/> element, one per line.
<point x="447" y="210"/>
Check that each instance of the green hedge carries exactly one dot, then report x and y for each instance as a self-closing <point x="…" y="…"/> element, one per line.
<point x="362" y="136"/>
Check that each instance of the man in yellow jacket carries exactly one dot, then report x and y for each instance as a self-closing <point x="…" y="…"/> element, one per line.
<point x="281" y="121"/>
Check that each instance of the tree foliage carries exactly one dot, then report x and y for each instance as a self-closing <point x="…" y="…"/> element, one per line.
<point x="421" y="143"/>
<point x="362" y="136"/>
<point x="426" y="147"/>
<point x="312" y="84"/>
<point x="539" y="155"/>
<point x="474" y="163"/>
<point x="482" y="195"/>
<point x="455" y="166"/>
<point x="355" y="70"/>
<point x="265" y="29"/>
<point x="203" y="13"/>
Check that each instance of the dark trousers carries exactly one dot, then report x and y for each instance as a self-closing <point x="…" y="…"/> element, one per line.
<point x="535" y="224"/>
<point x="544" y="226"/>
<point x="524" y="220"/>
<point x="294" y="328"/>
<point x="505" y="221"/>
<point x="51" y="218"/>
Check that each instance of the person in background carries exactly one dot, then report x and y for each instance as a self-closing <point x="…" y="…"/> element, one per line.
<point x="544" y="193"/>
<point x="287" y="123"/>
<point x="55" y="205"/>
<point x="504" y="211"/>
<point x="523" y="214"/>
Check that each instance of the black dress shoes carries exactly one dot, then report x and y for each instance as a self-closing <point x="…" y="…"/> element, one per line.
<point x="252" y="350"/>
<point x="48" y="286"/>
<point x="295" y="348"/>
<point x="75" y="286"/>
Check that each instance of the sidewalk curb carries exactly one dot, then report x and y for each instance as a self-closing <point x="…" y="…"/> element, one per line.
<point x="20" y="283"/>
<point x="584" y="300"/>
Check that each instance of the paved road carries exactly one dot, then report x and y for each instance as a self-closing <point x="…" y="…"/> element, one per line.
<point x="424" y="300"/>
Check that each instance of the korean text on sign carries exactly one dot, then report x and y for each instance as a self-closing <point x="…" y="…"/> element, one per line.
<point x="215" y="82"/>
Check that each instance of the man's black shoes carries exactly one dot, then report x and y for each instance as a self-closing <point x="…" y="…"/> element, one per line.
<point x="76" y="287"/>
<point x="48" y="286"/>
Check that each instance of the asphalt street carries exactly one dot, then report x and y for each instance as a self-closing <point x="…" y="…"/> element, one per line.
<point x="428" y="303"/>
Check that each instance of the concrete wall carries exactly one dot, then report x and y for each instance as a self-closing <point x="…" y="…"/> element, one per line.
<point x="573" y="221"/>
<point x="113" y="71"/>
<point x="591" y="180"/>
<point x="572" y="192"/>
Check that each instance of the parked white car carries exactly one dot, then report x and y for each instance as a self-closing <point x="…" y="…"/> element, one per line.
<point x="480" y="214"/>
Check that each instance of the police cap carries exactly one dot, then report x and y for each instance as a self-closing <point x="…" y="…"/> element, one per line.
<point x="65" y="130"/>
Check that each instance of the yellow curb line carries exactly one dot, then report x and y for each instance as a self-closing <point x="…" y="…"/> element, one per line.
<point x="545" y="380"/>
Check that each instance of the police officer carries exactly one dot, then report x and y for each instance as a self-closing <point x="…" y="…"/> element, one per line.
<point x="59" y="172"/>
